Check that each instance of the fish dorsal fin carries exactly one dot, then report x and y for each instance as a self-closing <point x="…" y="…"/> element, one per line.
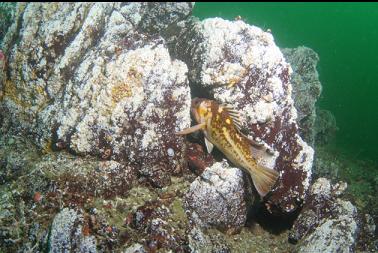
<point x="234" y="115"/>
<point x="209" y="145"/>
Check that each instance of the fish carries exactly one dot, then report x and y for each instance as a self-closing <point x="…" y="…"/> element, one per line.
<point x="221" y="127"/>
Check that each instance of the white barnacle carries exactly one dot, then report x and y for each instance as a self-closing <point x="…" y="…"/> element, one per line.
<point x="171" y="152"/>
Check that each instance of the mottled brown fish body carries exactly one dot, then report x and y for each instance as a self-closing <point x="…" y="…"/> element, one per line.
<point x="223" y="134"/>
<point x="220" y="129"/>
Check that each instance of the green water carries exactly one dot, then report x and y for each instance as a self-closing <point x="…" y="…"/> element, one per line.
<point x="345" y="35"/>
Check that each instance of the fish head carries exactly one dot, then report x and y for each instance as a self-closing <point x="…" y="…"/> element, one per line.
<point x="202" y="109"/>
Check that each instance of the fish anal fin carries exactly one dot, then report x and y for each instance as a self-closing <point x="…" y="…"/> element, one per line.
<point x="192" y="129"/>
<point x="264" y="179"/>
<point x="209" y="145"/>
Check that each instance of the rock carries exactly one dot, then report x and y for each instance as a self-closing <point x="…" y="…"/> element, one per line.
<point x="239" y="64"/>
<point x="83" y="178"/>
<point x="367" y="239"/>
<point x="155" y="224"/>
<point x="218" y="198"/>
<point x="6" y="18"/>
<point x="327" y="223"/>
<point x="325" y="127"/>
<point x="306" y="88"/>
<point x="94" y="83"/>
<point x="316" y="126"/>
<point x="66" y="234"/>
<point x="136" y="248"/>
<point x="198" y="159"/>
<point x="326" y="165"/>
<point x="202" y="242"/>
<point x="160" y="15"/>
<point x="17" y="156"/>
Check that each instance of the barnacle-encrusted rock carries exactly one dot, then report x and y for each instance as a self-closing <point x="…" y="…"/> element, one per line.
<point x="239" y="64"/>
<point x="160" y="15"/>
<point x="66" y="234"/>
<point x="327" y="223"/>
<point x="84" y="77"/>
<point x="81" y="178"/>
<point x="306" y="88"/>
<point x="135" y="248"/>
<point x="218" y="198"/>
<point x="325" y="127"/>
<point x="326" y="165"/>
<point x="202" y="242"/>
<point x="156" y="222"/>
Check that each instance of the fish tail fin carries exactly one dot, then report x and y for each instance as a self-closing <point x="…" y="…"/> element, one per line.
<point x="264" y="179"/>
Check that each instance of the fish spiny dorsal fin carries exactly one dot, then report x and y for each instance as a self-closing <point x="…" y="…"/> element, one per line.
<point x="234" y="115"/>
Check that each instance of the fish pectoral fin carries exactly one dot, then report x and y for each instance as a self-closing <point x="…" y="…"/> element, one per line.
<point x="264" y="179"/>
<point x="209" y="145"/>
<point x="192" y="129"/>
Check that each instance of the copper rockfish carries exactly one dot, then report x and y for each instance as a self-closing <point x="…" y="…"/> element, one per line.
<point x="221" y="127"/>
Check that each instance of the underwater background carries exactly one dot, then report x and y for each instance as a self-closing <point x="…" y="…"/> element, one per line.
<point x="345" y="37"/>
<point x="91" y="95"/>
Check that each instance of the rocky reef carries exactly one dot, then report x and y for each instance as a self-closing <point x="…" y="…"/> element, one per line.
<point x="218" y="198"/>
<point x="306" y="88"/>
<point x="91" y="95"/>
<point x="7" y="12"/>
<point x="239" y="64"/>
<point x="96" y="85"/>
<point x="329" y="223"/>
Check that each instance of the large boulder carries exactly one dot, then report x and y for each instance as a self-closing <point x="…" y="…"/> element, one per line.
<point x="87" y="78"/>
<point x="327" y="223"/>
<point x="218" y="198"/>
<point x="239" y="64"/>
<point x="66" y="234"/>
<point x="306" y="88"/>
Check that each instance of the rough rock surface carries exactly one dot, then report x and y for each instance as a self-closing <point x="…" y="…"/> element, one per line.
<point x="66" y="234"/>
<point x="326" y="165"/>
<point x="218" y="198"/>
<point x="239" y="64"/>
<point x="202" y="242"/>
<point x="84" y="77"/>
<point x="327" y="223"/>
<point x="84" y="178"/>
<point x="325" y="127"/>
<point x="6" y="17"/>
<point x="306" y="88"/>
<point x="153" y="222"/>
